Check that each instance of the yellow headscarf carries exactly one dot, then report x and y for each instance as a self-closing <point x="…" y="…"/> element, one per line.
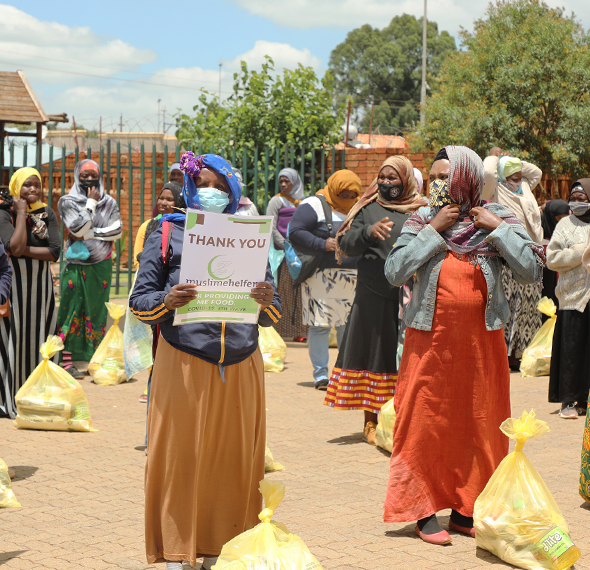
<point x="338" y="182"/>
<point x="17" y="181"/>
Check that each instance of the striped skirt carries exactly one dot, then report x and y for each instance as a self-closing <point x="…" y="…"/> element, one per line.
<point x="32" y="319"/>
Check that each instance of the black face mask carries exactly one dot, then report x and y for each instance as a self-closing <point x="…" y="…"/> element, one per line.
<point x="390" y="191"/>
<point x="86" y="185"/>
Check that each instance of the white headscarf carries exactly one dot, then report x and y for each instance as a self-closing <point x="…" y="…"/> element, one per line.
<point x="297" y="190"/>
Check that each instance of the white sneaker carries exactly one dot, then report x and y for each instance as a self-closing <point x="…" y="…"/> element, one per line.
<point x="209" y="562"/>
<point x="569" y="412"/>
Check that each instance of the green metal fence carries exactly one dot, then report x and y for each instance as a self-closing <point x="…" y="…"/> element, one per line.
<point x="260" y="170"/>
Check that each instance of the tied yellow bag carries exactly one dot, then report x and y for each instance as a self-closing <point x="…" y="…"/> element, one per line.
<point x="7" y="498"/>
<point x="536" y="358"/>
<point x="384" y="431"/>
<point x="270" y="465"/>
<point x="273" y="348"/>
<point x="516" y="517"/>
<point x="50" y="398"/>
<point x="269" y="544"/>
<point x="108" y="363"/>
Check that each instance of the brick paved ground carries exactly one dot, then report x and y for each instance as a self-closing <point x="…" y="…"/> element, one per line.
<point x="82" y="492"/>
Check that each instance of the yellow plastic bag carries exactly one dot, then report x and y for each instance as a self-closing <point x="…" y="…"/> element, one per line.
<point x="384" y="431"/>
<point x="7" y="498"/>
<point x="107" y="365"/>
<point x="333" y="338"/>
<point x="270" y="464"/>
<point x="516" y="517"/>
<point x="536" y="358"/>
<point x="51" y="398"/>
<point x="269" y="544"/>
<point x="273" y="348"/>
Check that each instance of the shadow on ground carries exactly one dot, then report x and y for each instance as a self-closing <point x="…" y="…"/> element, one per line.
<point x="6" y="556"/>
<point x="23" y="472"/>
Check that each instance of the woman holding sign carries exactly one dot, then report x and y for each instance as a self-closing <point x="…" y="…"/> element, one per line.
<point x="207" y="422"/>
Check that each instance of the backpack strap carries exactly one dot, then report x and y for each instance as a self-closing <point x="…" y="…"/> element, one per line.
<point x="327" y="213"/>
<point x="166" y="237"/>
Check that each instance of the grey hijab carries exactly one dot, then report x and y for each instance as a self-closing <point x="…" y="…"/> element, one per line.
<point x="294" y="178"/>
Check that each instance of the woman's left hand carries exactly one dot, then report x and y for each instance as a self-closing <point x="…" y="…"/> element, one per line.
<point x="483" y="218"/>
<point x="262" y="294"/>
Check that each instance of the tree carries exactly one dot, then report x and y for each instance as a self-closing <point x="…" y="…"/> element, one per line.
<point x="266" y="109"/>
<point x="522" y="84"/>
<point x="372" y="66"/>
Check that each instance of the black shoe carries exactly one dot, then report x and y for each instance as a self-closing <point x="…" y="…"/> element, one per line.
<point x="322" y="384"/>
<point x="74" y="372"/>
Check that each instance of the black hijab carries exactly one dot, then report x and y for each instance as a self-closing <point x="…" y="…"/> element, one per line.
<point x="176" y="190"/>
<point x="549" y="215"/>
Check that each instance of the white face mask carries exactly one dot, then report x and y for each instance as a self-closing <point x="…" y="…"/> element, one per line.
<point x="515" y="187"/>
<point x="579" y="208"/>
<point x="213" y="200"/>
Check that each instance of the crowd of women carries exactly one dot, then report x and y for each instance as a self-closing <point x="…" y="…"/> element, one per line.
<point x="449" y="282"/>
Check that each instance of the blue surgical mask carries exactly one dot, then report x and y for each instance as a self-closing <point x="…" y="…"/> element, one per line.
<point x="213" y="200"/>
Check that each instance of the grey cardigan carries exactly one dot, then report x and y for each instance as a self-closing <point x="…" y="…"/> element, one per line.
<point x="425" y="256"/>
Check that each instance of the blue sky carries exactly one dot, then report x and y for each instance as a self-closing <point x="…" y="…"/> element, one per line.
<point x="175" y="48"/>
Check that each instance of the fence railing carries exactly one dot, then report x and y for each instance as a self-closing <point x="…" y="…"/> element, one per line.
<point x="134" y="178"/>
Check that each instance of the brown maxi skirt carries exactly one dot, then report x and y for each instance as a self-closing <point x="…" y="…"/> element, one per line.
<point x="205" y="454"/>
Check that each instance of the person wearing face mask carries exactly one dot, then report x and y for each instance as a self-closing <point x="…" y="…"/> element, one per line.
<point x="511" y="182"/>
<point x="569" y="377"/>
<point x="93" y="222"/>
<point x="328" y="293"/>
<point x="206" y="424"/>
<point x="282" y="207"/>
<point x="30" y="233"/>
<point x="365" y="373"/>
<point x="453" y="388"/>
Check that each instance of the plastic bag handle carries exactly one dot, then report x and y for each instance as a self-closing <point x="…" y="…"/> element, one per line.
<point x="266" y="515"/>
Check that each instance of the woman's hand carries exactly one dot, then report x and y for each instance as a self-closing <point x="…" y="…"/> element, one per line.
<point x="446" y="217"/>
<point x="330" y="244"/>
<point x="483" y="218"/>
<point x="180" y="295"/>
<point x="19" y="206"/>
<point x="94" y="193"/>
<point x="262" y="294"/>
<point x="381" y="229"/>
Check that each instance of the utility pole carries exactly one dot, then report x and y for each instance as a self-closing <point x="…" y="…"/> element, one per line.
<point x="159" y="115"/>
<point x="121" y="123"/>
<point x="220" y="64"/>
<point x="424" y="51"/>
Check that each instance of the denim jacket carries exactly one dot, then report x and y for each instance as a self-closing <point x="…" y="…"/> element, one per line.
<point x="423" y="255"/>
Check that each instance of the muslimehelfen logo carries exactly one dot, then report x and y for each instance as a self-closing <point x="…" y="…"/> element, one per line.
<point x="220" y="268"/>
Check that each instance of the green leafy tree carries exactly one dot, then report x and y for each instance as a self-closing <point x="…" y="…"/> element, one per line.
<point x="295" y="108"/>
<point x="522" y="84"/>
<point x="376" y="66"/>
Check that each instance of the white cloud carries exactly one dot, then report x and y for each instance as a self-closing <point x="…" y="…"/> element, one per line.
<point x="349" y="14"/>
<point x="73" y="70"/>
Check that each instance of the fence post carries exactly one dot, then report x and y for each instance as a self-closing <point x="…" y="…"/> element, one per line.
<point x="130" y="225"/>
<point x="61" y="223"/>
<point x="142" y="185"/>
<point x="118" y="242"/>
<point x="277" y="168"/>
<point x="50" y="178"/>
<point x="109" y="167"/>
<point x="343" y="158"/>
<point x="266" y="174"/>
<point x="255" y="192"/>
<point x="302" y="167"/>
<point x="11" y="167"/>
<point x="312" y="171"/>
<point x="154" y="172"/>
<point x="25" y="154"/>
<point x="245" y="168"/>
<point x="323" y="159"/>
<point x="333" y="159"/>
<point x="292" y="148"/>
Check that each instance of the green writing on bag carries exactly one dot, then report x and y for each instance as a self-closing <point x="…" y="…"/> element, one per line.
<point x="555" y="543"/>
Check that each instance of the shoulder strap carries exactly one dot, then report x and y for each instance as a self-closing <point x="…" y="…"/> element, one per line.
<point x="327" y="212"/>
<point x="166" y="237"/>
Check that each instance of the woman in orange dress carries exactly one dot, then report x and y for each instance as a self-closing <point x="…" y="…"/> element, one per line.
<point x="453" y="388"/>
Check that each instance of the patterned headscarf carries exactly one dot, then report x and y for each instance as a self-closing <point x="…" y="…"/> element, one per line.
<point x="408" y="202"/>
<point x="339" y="181"/>
<point x="296" y="194"/>
<point x="465" y="186"/>
<point x="192" y="165"/>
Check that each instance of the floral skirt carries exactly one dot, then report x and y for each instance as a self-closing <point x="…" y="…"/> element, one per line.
<point x="327" y="297"/>
<point x="585" y="471"/>
<point x="82" y="316"/>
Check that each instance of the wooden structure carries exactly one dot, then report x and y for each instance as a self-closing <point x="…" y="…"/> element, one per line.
<point x="18" y="104"/>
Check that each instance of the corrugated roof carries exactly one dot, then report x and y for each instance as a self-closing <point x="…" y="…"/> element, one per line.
<point x="18" y="103"/>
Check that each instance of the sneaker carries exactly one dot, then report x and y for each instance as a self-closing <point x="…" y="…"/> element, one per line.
<point x="143" y="399"/>
<point x="568" y="412"/>
<point x="581" y="410"/>
<point x="369" y="433"/>
<point x="321" y="384"/>
<point x="74" y="372"/>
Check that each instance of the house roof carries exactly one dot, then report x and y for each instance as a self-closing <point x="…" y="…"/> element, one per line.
<point x="18" y="103"/>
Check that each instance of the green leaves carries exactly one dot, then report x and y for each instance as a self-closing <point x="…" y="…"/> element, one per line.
<point x="522" y="84"/>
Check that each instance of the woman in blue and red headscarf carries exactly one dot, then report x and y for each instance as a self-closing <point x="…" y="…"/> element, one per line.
<point x="453" y="388"/>
<point x="206" y="423"/>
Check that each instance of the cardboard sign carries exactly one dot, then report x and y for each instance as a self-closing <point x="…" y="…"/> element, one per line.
<point x="224" y="256"/>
